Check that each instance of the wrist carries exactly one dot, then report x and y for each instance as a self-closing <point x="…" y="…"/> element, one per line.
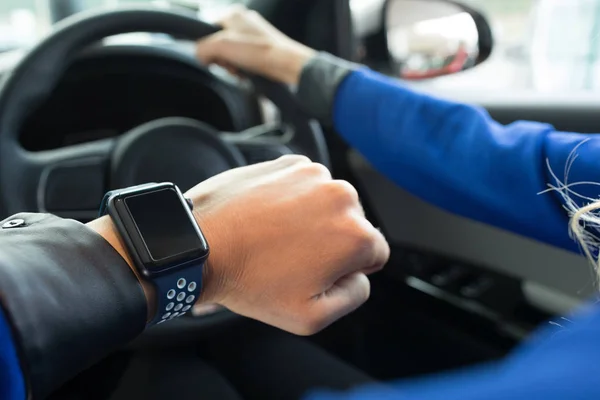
<point x="106" y="228"/>
<point x="319" y="82"/>
<point x="290" y="60"/>
<point x="212" y="281"/>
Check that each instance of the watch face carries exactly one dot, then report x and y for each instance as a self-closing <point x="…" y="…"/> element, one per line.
<point x="166" y="227"/>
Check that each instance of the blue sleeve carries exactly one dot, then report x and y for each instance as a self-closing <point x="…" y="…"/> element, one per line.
<point x="12" y="384"/>
<point x="554" y="365"/>
<point x="456" y="157"/>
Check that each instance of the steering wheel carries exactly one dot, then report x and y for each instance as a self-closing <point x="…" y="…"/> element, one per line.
<point x="70" y="181"/>
<point x="175" y="149"/>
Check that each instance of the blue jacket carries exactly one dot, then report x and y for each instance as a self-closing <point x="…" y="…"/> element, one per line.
<point x="454" y="156"/>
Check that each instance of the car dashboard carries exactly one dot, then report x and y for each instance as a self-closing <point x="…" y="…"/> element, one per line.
<point x="111" y="89"/>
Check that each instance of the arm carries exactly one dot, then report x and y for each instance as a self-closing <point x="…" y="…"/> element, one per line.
<point x="450" y="154"/>
<point x="70" y="296"/>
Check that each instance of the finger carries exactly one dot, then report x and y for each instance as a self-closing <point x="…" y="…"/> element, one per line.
<point x="282" y="163"/>
<point x="380" y="252"/>
<point x="233" y="70"/>
<point x="373" y="248"/>
<point x="345" y="296"/>
<point x="291" y="160"/>
<point x="231" y="48"/>
<point x="352" y="194"/>
<point x="232" y="15"/>
<point x="210" y="49"/>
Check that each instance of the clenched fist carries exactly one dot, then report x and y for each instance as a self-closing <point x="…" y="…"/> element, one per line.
<point x="290" y="246"/>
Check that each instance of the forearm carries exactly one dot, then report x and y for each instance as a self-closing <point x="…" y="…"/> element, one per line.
<point x="450" y="154"/>
<point x="105" y="227"/>
<point x="69" y="298"/>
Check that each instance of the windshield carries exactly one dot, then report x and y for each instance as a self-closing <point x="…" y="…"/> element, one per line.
<point x="22" y="22"/>
<point x="579" y="41"/>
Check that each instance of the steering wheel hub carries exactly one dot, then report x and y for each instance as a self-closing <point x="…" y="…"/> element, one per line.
<point x="178" y="150"/>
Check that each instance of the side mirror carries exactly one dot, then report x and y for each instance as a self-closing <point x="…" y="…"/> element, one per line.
<point x="421" y="39"/>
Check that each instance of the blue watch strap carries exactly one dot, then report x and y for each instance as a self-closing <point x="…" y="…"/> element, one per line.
<point x="177" y="293"/>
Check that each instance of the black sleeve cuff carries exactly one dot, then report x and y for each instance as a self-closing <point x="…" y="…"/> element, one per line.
<point x="69" y="296"/>
<point x="318" y="85"/>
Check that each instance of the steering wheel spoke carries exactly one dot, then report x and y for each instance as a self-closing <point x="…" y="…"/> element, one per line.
<point x="264" y="142"/>
<point x="260" y="152"/>
<point x="269" y="133"/>
<point x="68" y="182"/>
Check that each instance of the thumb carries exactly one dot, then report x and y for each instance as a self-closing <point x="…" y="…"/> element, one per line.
<point x="210" y="48"/>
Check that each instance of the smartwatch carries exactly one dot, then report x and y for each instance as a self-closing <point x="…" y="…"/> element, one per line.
<point x="164" y="241"/>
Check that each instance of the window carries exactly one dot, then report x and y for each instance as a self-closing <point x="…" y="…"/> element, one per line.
<point x="22" y="22"/>
<point x="540" y="45"/>
<point x="17" y="23"/>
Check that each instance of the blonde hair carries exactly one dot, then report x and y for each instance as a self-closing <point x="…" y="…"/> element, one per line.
<point x="584" y="226"/>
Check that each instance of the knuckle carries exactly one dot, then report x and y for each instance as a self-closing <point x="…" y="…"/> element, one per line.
<point x="252" y="14"/>
<point x="341" y="192"/>
<point x="363" y="239"/>
<point x="315" y="169"/>
<point x="238" y="11"/>
<point x="293" y="159"/>
<point x="349" y="190"/>
<point x="234" y="14"/>
<point x="371" y="249"/>
<point x="226" y="39"/>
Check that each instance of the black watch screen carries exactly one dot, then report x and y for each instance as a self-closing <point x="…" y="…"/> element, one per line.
<point x="164" y="224"/>
<point x="161" y="231"/>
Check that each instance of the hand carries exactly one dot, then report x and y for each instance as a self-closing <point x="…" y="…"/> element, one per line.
<point x="248" y="42"/>
<point x="290" y="246"/>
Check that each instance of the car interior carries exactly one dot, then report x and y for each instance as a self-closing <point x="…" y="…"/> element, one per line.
<point x="108" y="104"/>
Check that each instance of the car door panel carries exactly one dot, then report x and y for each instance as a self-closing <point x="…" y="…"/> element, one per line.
<point x="552" y="279"/>
<point x="571" y="112"/>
